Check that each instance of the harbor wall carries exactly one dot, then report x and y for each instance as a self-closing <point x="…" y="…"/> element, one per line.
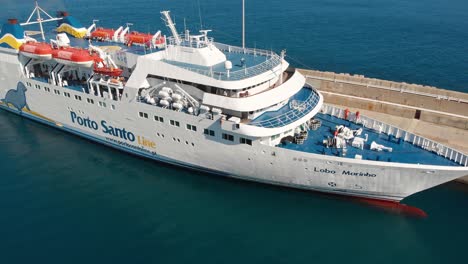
<point x="437" y="114"/>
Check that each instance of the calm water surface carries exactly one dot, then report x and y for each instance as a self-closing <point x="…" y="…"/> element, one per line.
<point x="66" y="200"/>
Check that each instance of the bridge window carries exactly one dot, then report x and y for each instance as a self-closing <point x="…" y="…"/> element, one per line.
<point x="158" y="119"/>
<point x="143" y="115"/>
<point x="209" y="132"/>
<point x="175" y="123"/>
<point x="228" y="137"/>
<point x="245" y="141"/>
<point x="275" y="137"/>
<point x="191" y="127"/>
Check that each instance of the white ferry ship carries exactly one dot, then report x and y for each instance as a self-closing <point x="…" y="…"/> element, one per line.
<point x="187" y="100"/>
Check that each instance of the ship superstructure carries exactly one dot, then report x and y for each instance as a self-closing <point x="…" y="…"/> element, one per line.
<point x="190" y="101"/>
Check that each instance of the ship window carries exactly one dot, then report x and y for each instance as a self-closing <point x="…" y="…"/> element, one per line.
<point x="159" y="119"/>
<point x="77" y="97"/>
<point x="191" y="127"/>
<point x="90" y="101"/>
<point x="102" y="104"/>
<point x="245" y="141"/>
<point x="175" y="123"/>
<point x="45" y="88"/>
<point x="37" y="86"/>
<point x="228" y="137"/>
<point x="113" y="107"/>
<point x="28" y="84"/>
<point x="66" y="94"/>
<point x="57" y="92"/>
<point x="275" y="137"/>
<point x="209" y="132"/>
<point x="143" y="115"/>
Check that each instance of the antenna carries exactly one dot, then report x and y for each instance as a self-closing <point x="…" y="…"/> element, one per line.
<point x="37" y="11"/>
<point x="199" y="15"/>
<point x="243" y="24"/>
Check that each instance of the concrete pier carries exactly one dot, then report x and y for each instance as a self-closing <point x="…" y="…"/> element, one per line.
<point x="434" y="113"/>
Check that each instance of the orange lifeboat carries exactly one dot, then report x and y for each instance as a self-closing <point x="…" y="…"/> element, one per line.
<point x="138" y="38"/>
<point x="74" y="57"/>
<point x="143" y="39"/>
<point x="36" y="50"/>
<point x="114" y="72"/>
<point x="103" y="33"/>
<point x="100" y="67"/>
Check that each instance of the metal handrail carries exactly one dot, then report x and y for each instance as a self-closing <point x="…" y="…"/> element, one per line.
<point x="265" y="66"/>
<point x="425" y="143"/>
<point x="292" y="115"/>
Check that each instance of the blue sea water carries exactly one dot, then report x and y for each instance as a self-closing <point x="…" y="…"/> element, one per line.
<point x="66" y="200"/>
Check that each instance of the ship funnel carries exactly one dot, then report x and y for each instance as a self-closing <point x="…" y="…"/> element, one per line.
<point x="12" y="34"/>
<point x="70" y="25"/>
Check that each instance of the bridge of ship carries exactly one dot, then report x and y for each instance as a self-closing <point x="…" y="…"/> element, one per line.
<point x="404" y="151"/>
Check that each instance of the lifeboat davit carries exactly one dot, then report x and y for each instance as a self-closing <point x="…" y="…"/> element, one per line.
<point x="74" y="57"/>
<point x="36" y="50"/>
<point x="103" y="33"/>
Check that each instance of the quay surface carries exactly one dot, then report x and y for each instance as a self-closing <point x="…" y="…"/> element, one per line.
<point x="437" y="114"/>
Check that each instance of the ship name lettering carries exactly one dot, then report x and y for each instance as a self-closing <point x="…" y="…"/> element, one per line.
<point x="359" y="174"/>
<point x="117" y="132"/>
<point x="86" y="122"/>
<point x="324" y="170"/>
<point x="146" y="142"/>
<point x="106" y="128"/>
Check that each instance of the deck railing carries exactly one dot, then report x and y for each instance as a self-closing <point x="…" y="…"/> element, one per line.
<point x="272" y="60"/>
<point x="245" y="73"/>
<point x="294" y="114"/>
<point x="425" y="143"/>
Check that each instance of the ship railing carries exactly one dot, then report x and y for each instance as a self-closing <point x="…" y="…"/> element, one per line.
<point x="381" y="127"/>
<point x="293" y="115"/>
<point x="267" y="65"/>
<point x="240" y="50"/>
<point x="189" y="43"/>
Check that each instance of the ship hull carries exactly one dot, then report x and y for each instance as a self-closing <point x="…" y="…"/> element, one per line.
<point x="119" y="124"/>
<point x="269" y="177"/>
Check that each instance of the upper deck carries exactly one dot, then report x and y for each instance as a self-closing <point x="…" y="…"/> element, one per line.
<point x="246" y="63"/>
